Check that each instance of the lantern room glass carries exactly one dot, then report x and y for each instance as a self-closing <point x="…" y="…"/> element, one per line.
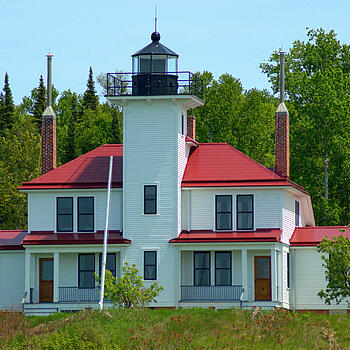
<point x="154" y="64"/>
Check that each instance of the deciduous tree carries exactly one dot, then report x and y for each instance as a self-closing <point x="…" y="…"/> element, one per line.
<point x="317" y="87"/>
<point x="129" y="291"/>
<point x="336" y="257"/>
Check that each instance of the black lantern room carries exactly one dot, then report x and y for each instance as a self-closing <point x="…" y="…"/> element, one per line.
<point x="154" y="69"/>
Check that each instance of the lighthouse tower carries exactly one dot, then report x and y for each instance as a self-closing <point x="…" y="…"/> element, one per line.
<point x="155" y="99"/>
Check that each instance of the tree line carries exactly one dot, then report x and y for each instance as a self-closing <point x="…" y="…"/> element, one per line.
<point x="317" y="97"/>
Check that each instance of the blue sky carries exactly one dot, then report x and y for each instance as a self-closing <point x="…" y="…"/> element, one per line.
<point x="218" y="36"/>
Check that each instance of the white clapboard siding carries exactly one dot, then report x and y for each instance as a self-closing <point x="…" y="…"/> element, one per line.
<point x="154" y="153"/>
<point x="11" y="279"/>
<point x="68" y="270"/>
<point x="309" y="279"/>
<point x="285" y="290"/>
<point x="288" y="215"/>
<point x="42" y="209"/>
<point x="267" y="207"/>
<point x="187" y="268"/>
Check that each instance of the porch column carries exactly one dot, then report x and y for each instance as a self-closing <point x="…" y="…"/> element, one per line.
<point x="179" y="267"/>
<point x="56" y="276"/>
<point x="245" y="273"/>
<point x="27" y="275"/>
<point x="274" y="275"/>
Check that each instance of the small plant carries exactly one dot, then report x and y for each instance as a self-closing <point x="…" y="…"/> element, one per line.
<point x="129" y="291"/>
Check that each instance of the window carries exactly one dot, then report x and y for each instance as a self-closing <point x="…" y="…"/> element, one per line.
<point x="86" y="270"/>
<point x="150" y="265"/>
<point x="150" y="199"/>
<point x="85" y="214"/>
<point x="245" y="212"/>
<point x="297" y="208"/>
<point x="223" y="212"/>
<point x="64" y="214"/>
<point x="288" y="272"/>
<point x="202" y="268"/>
<point x="223" y="263"/>
<point x="110" y="264"/>
<point x="183" y="124"/>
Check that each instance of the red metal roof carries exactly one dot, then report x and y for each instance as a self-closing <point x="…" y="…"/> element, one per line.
<point x="312" y="236"/>
<point x="12" y="239"/>
<point x="209" y="165"/>
<point x="207" y="236"/>
<point x="50" y="238"/>
<point x="220" y="164"/>
<point x="88" y="171"/>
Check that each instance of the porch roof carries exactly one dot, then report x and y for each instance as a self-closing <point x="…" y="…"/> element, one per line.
<point x="51" y="238"/>
<point x="208" y="236"/>
<point x="12" y="239"/>
<point x="313" y="235"/>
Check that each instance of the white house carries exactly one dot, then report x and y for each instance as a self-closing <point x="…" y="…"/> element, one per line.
<point x="211" y="225"/>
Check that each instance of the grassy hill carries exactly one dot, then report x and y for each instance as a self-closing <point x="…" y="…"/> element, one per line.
<point x="176" y="329"/>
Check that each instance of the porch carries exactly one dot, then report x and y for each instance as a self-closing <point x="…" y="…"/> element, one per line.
<point x="230" y="275"/>
<point x="64" y="275"/>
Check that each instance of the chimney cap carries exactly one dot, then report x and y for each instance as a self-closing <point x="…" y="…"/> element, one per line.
<point x="49" y="113"/>
<point x="282" y="108"/>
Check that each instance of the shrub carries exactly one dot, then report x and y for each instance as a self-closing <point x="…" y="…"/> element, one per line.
<point x="129" y="291"/>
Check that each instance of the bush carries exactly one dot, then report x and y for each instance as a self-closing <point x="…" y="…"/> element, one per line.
<point x="129" y="291"/>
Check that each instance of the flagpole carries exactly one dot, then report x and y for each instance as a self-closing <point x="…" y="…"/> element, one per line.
<point x="104" y="255"/>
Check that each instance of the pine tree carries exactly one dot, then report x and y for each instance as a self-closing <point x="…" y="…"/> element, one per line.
<point x="7" y="108"/>
<point x="40" y="103"/>
<point x="70" y="144"/>
<point x="90" y="98"/>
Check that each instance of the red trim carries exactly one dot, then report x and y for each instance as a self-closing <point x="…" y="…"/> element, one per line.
<point x="39" y="186"/>
<point x="44" y="238"/>
<point x="207" y="236"/>
<point x="311" y="236"/>
<point x="11" y="247"/>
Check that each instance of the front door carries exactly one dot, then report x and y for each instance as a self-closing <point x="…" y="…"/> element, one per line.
<point x="262" y="277"/>
<point x="46" y="280"/>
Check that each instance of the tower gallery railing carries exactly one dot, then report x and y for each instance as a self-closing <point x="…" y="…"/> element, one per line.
<point x="152" y="84"/>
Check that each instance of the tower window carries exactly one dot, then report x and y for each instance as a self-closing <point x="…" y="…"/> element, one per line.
<point x="150" y="265"/>
<point x="150" y="199"/>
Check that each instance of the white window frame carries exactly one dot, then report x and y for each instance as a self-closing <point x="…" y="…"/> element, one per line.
<point x="156" y="249"/>
<point x="75" y="211"/>
<point x="236" y="212"/>
<point x="143" y="198"/>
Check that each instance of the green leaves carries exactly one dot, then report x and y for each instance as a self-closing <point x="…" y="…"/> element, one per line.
<point x="317" y="87"/>
<point x="337" y="268"/>
<point x="244" y="119"/>
<point x="129" y="291"/>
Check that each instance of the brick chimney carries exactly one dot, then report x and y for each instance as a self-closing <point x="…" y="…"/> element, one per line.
<point x="48" y="131"/>
<point x="282" y="141"/>
<point x="191" y="127"/>
<point x="282" y="129"/>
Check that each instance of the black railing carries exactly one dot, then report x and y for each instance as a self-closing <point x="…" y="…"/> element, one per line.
<point x="78" y="295"/>
<point x="211" y="293"/>
<point x="170" y="83"/>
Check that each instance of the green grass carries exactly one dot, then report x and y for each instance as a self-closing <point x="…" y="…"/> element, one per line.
<point x="176" y="329"/>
